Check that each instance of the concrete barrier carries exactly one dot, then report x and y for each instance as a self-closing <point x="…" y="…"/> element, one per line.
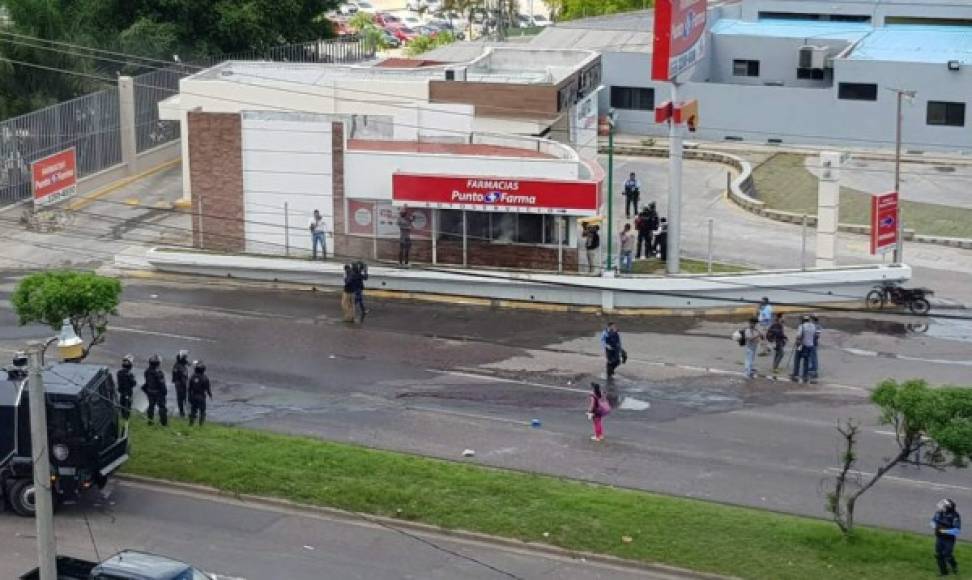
<point x="742" y="191"/>
<point x="783" y="287"/>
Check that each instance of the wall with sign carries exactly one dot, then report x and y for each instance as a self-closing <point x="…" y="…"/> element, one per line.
<point x="54" y="178"/>
<point x="286" y="159"/>
<point x="368" y="174"/>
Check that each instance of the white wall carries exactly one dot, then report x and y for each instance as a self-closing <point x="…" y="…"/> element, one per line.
<point x="286" y="159"/>
<point x="368" y="174"/>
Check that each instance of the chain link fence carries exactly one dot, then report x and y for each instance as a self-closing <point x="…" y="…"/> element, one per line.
<point x="92" y="125"/>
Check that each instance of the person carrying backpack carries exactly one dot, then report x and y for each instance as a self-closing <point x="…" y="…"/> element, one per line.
<point x="749" y="338"/>
<point x="598" y="408"/>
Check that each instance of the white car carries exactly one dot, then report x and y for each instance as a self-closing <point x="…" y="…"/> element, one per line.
<point x="366" y="7"/>
<point x="541" y="20"/>
<point x="412" y="21"/>
<point x="348" y="8"/>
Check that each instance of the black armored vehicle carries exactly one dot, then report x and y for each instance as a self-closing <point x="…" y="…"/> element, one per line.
<point x="87" y="440"/>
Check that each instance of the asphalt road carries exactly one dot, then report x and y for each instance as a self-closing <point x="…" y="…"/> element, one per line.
<point x="437" y="379"/>
<point x="255" y="542"/>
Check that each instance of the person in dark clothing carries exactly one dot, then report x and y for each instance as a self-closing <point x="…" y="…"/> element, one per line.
<point x="644" y="234"/>
<point x="359" y="273"/>
<point x="405" y="223"/>
<point x="947" y="524"/>
<point x="199" y="389"/>
<point x="155" y="389"/>
<point x="661" y="239"/>
<point x="776" y="335"/>
<point x="347" y="296"/>
<point x="613" y="352"/>
<point x="126" y="386"/>
<point x="592" y="244"/>
<point x="632" y="191"/>
<point x="180" y="379"/>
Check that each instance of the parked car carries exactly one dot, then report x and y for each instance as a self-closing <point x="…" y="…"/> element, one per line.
<point x="127" y="565"/>
<point x="430" y="31"/>
<point x="541" y="20"/>
<point x="88" y="438"/>
<point x="523" y="21"/>
<point x="433" y="6"/>
<point x="404" y="33"/>
<point x="386" y="19"/>
<point x="348" y="8"/>
<point x="412" y="21"/>
<point x="390" y="40"/>
<point x="366" y="7"/>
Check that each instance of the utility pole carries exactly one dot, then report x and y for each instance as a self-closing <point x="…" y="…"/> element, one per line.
<point x="910" y="94"/>
<point x="43" y="502"/>
<point x="673" y="259"/>
<point x="610" y="187"/>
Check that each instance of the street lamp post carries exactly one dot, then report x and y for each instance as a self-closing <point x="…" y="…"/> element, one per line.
<point x="70" y="347"/>
<point x="901" y="94"/>
<point x="610" y="187"/>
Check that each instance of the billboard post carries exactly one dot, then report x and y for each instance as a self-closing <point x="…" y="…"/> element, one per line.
<point x="679" y="43"/>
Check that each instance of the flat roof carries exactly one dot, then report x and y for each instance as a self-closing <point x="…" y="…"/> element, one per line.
<point x="806" y="29"/>
<point x="445" y="148"/>
<point x="912" y="43"/>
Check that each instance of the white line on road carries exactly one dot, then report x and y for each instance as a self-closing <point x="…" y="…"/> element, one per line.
<point x="162" y="334"/>
<point x="904" y="357"/>
<point x="467" y="415"/>
<point x="909" y="481"/>
<point x="505" y="380"/>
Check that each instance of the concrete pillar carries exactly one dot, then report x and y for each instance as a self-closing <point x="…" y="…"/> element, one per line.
<point x="186" y="200"/>
<point x="828" y="209"/>
<point x="126" y="112"/>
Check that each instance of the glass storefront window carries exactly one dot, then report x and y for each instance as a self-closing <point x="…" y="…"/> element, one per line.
<point x="502" y="228"/>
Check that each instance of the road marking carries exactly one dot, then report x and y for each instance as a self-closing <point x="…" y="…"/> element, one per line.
<point x="468" y="415"/>
<point x="907" y="480"/>
<point x="505" y="380"/>
<point x="162" y="334"/>
<point x="904" y="357"/>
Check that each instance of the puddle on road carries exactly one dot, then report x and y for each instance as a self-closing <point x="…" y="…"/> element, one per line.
<point x="950" y="329"/>
<point x="633" y="404"/>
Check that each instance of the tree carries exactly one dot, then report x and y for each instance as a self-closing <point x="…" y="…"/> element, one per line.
<point x="371" y="36"/>
<point x="932" y="427"/>
<point x="149" y="28"/>
<point x="573" y="9"/>
<point x="84" y="298"/>
<point x="425" y="43"/>
<point x="465" y="8"/>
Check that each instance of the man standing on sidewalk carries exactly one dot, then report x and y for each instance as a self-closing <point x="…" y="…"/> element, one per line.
<point x="805" y="345"/>
<point x="753" y="337"/>
<point x="318" y="230"/>
<point x="777" y="335"/>
<point x="632" y="192"/>
<point x="764" y="314"/>
<point x="627" y="249"/>
<point x="404" y="223"/>
<point x="592" y="245"/>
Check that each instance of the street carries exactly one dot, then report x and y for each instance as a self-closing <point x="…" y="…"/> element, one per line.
<point x="436" y="379"/>
<point x="230" y="537"/>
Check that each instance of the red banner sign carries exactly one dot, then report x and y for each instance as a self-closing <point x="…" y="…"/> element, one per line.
<point x="54" y="178"/>
<point x="679" y="39"/>
<point x="884" y="222"/>
<point x="496" y="194"/>
<point x="361" y="217"/>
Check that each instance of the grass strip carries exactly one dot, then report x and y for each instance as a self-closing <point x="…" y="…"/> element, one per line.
<point x="784" y="183"/>
<point x="693" y="534"/>
<point x="688" y="266"/>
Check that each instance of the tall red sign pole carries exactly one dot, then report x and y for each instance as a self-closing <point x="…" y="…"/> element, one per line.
<point x="679" y="43"/>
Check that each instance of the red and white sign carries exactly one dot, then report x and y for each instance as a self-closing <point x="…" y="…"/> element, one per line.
<point x="361" y="217"/>
<point x="54" y="177"/>
<point x="496" y="194"/>
<point x="884" y="222"/>
<point x="679" y="37"/>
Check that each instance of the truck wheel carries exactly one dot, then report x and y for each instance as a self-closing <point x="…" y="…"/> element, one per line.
<point x="21" y="495"/>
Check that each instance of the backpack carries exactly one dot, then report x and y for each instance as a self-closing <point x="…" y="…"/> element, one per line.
<point x="740" y="337"/>
<point x="603" y="407"/>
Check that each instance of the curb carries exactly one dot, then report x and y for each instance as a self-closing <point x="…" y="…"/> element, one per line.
<point x="537" y="548"/>
<point x="84" y="201"/>
<point x="740" y="192"/>
<point x="452" y="299"/>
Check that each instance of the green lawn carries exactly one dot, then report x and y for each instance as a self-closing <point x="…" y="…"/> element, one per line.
<point x="689" y="266"/>
<point x="693" y="534"/>
<point x="784" y="183"/>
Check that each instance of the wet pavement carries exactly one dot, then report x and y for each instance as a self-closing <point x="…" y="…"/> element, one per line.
<point x="255" y="542"/>
<point x="437" y="379"/>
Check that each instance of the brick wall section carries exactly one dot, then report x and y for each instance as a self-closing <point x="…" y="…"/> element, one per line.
<point x="337" y="191"/>
<point x="216" y="173"/>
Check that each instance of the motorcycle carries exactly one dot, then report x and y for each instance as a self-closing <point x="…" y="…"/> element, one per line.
<point x="890" y="292"/>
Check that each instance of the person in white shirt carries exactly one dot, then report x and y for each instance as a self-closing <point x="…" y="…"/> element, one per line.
<point x="318" y="229"/>
<point x="764" y="314"/>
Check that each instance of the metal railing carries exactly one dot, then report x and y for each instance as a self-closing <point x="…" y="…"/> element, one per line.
<point x="92" y="124"/>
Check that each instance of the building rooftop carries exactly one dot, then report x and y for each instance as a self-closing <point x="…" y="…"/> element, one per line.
<point x="476" y="149"/>
<point x="910" y="43"/>
<point x="806" y="29"/>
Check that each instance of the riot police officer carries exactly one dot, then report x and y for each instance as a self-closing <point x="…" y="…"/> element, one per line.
<point x="126" y="385"/>
<point x="180" y="379"/>
<point x="198" y="390"/>
<point x="947" y="524"/>
<point x="155" y="389"/>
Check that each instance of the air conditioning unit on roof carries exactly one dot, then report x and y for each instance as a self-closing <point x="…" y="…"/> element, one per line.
<point x="455" y="74"/>
<point x="813" y="57"/>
